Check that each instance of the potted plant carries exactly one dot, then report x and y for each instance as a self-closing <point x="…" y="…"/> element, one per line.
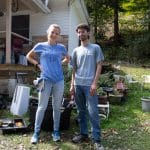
<point x="67" y="90"/>
<point x="117" y="97"/>
<point x="67" y="81"/>
<point x="102" y="96"/>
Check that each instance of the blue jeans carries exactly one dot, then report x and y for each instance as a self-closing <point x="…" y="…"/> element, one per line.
<point x="57" y="96"/>
<point x="84" y="102"/>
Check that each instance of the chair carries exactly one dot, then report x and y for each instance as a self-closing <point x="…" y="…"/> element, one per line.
<point x="118" y="77"/>
<point x="104" y="110"/>
<point x="103" y="106"/>
<point x="129" y="79"/>
<point x="145" y="80"/>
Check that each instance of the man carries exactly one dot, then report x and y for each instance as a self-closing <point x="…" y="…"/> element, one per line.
<point x="87" y="63"/>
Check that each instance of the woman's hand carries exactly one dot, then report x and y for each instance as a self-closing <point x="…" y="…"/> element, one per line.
<point x="66" y="60"/>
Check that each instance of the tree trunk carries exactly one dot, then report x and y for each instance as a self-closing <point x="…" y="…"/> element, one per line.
<point x="95" y="21"/>
<point x="116" y="25"/>
<point x="148" y="2"/>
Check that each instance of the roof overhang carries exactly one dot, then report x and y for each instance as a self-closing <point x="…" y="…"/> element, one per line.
<point x="33" y="5"/>
<point x="80" y="7"/>
<point x="37" y="5"/>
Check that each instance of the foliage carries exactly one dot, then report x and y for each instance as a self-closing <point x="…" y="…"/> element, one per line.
<point x="134" y="27"/>
<point x="101" y="92"/>
<point x="67" y="80"/>
<point x="135" y="48"/>
<point x="100" y="13"/>
<point x="106" y="80"/>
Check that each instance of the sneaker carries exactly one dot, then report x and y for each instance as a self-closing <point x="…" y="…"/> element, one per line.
<point x="56" y="136"/>
<point x="98" y="146"/>
<point x="80" y="138"/>
<point x="35" y="138"/>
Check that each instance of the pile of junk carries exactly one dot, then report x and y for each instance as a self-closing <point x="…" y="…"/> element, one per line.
<point x="23" y="109"/>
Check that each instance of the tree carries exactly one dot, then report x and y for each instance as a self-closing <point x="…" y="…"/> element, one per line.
<point x="102" y="12"/>
<point x="99" y="14"/>
<point x="141" y="10"/>
<point x="131" y="21"/>
<point x="116" y="25"/>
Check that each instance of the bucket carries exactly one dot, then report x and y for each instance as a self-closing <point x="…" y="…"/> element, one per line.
<point x="145" y="104"/>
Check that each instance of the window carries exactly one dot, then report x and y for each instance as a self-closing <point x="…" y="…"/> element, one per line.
<point x="20" y="25"/>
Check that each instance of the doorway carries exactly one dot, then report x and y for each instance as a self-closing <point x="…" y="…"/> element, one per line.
<point x="20" y="25"/>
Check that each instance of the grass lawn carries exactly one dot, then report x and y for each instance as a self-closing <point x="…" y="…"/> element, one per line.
<point x="127" y="128"/>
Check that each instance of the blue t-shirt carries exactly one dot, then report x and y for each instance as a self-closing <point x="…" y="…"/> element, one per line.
<point x="84" y="61"/>
<point x="50" y="57"/>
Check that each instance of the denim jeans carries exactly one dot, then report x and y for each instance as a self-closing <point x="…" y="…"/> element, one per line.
<point x="85" y="102"/>
<point x="57" y="90"/>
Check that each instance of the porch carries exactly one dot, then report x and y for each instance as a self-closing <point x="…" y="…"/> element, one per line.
<point x="15" y="30"/>
<point x="16" y="41"/>
<point x="8" y="78"/>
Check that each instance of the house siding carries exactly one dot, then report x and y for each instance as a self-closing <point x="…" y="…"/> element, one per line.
<point x="77" y="16"/>
<point x="39" y="22"/>
<point x="67" y="16"/>
<point x="63" y="39"/>
<point x="57" y="9"/>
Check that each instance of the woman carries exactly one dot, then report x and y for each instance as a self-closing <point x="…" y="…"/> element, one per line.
<point x="51" y="56"/>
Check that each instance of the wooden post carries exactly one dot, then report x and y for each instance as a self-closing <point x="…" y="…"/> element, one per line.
<point x="8" y="31"/>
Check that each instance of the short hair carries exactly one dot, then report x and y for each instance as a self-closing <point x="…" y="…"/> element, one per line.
<point x="83" y="26"/>
<point x="55" y="26"/>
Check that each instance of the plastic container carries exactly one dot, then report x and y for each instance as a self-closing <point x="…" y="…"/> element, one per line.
<point x="145" y="104"/>
<point x="20" y="100"/>
<point x="116" y="99"/>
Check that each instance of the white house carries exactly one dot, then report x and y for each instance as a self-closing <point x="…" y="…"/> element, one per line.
<point x="29" y="20"/>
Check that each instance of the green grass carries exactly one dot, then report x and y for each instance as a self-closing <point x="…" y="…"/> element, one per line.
<point x="127" y="128"/>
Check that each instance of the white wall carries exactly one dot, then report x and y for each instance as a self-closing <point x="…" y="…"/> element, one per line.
<point x="59" y="15"/>
<point x="77" y="16"/>
<point x="73" y="39"/>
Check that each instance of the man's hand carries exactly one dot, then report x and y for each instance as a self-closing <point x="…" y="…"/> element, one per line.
<point x="93" y="89"/>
